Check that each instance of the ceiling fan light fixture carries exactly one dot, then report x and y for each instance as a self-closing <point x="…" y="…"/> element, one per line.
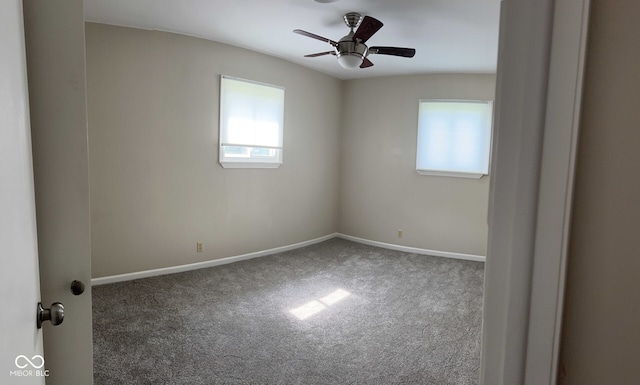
<point x="350" y="54"/>
<point x="350" y="61"/>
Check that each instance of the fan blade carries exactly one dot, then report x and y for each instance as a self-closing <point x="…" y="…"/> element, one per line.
<point x="395" y="51"/>
<point x="367" y="28"/>
<point x="366" y="63"/>
<point x="321" y="54"/>
<point x="314" y="36"/>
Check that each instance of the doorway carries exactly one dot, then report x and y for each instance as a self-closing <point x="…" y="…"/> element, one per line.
<point x="500" y="348"/>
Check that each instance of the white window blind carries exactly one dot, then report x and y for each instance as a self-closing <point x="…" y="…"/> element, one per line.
<point x="251" y="124"/>
<point x="454" y="138"/>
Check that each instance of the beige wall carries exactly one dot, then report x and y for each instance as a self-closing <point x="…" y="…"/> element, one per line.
<point x="601" y="331"/>
<point x="156" y="185"/>
<point x="349" y="160"/>
<point x="380" y="191"/>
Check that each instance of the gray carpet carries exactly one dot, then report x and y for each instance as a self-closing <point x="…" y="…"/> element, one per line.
<point x="408" y="319"/>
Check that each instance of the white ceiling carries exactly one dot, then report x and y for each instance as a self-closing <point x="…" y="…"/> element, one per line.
<point x="448" y="35"/>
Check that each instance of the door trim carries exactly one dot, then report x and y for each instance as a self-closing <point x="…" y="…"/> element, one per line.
<point x="539" y="88"/>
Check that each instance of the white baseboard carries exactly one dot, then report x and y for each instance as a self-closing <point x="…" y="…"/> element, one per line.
<point x="201" y="265"/>
<point x="415" y="250"/>
<point x="224" y="261"/>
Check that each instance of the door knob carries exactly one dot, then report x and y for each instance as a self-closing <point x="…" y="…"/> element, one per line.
<point x="55" y="314"/>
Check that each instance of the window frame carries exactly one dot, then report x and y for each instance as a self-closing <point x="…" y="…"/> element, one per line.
<point x="255" y="161"/>
<point x="454" y="173"/>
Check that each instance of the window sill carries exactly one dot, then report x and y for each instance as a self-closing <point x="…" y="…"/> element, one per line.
<point x="452" y="174"/>
<point x="249" y="165"/>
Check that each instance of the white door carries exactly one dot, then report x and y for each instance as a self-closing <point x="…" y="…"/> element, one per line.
<point x="43" y="137"/>
<point x="21" y="359"/>
<point x="55" y="52"/>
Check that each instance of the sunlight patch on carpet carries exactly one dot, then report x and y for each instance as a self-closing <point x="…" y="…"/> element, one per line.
<point x="334" y="297"/>
<point x="316" y="306"/>
<point x="307" y="310"/>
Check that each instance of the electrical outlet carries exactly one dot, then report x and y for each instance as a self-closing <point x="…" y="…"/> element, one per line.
<point x="399" y="233"/>
<point x="199" y="247"/>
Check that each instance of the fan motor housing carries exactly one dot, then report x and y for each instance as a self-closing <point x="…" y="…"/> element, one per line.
<point x="346" y="46"/>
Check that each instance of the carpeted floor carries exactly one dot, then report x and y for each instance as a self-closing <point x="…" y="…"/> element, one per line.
<point x="383" y="317"/>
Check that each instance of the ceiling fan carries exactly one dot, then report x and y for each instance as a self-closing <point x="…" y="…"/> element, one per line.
<point x="351" y="50"/>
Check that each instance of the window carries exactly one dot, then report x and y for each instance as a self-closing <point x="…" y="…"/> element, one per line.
<point x="251" y="120"/>
<point x="454" y="138"/>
